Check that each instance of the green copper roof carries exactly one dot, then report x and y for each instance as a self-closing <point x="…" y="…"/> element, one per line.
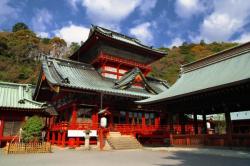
<point x="129" y="78"/>
<point x="123" y="38"/>
<point x="223" y="69"/>
<point x="76" y="75"/>
<point x="18" y="96"/>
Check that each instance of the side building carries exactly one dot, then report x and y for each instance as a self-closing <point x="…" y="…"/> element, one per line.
<point x="217" y="84"/>
<point x="16" y="105"/>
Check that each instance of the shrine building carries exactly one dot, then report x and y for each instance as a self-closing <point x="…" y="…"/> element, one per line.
<point x="103" y="78"/>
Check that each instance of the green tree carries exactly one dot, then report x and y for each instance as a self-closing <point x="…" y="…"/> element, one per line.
<point x="202" y="42"/>
<point x="21" y="44"/>
<point x="58" y="47"/>
<point x="3" y="45"/>
<point x="32" y="129"/>
<point x="19" y="26"/>
<point x="74" y="47"/>
<point x="45" y="40"/>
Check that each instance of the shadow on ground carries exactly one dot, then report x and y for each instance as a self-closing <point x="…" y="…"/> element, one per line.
<point x="189" y="159"/>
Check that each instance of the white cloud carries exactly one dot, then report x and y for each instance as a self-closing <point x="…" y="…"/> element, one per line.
<point x="175" y="42"/>
<point x="74" y="4"/>
<point x="146" y="6"/>
<point x="109" y="12"/>
<point x="6" y="11"/>
<point x="219" y="27"/>
<point x="43" y="34"/>
<point x="227" y="18"/>
<point x="73" y="33"/>
<point x="188" y="8"/>
<point x="143" y="32"/>
<point x="245" y="37"/>
<point x="41" y="20"/>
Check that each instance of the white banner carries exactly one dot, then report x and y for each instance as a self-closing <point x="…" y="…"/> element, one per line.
<point x="81" y="133"/>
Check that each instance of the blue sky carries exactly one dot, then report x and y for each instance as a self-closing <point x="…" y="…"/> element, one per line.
<point x="154" y="22"/>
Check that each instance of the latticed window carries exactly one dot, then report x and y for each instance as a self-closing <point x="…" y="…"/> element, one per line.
<point x="84" y="115"/>
<point x="150" y="118"/>
<point x="122" y="117"/>
<point x="11" y="128"/>
<point x="113" y="72"/>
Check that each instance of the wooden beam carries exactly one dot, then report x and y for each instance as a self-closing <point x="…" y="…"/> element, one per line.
<point x="204" y="123"/>
<point x="228" y="128"/>
<point x="195" y="124"/>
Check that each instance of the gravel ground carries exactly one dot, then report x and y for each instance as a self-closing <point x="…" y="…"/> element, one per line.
<point x="120" y="158"/>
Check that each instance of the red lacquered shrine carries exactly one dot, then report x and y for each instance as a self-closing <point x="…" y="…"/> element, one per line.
<point x="102" y="79"/>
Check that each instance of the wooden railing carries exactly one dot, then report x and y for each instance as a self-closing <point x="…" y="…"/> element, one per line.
<point x="124" y="128"/>
<point x="140" y="129"/>
<point x="238" y="140"/>
<point x="74" y="126"/>
<point x="14" y="148"/>
<point x="242" y="140"/>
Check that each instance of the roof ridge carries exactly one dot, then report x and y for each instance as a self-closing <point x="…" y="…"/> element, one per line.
<point x="71" y="61"/>
<point x="35" y="102"/>
<point x="132" y="38"/>
<point x="216" y="58"/>
<point x="95" y="27"/>
<point x="14" y="84"/>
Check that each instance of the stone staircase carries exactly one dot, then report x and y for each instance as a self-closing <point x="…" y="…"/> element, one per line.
<point x="118" y="141"/>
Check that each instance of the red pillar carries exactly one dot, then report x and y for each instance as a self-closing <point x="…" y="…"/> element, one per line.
<point x="95" y="119"/>
<point x="74" y="113"/>
<point x="53" y="138"/>
<point x="59" y="136"/>
<point x="143" y="120"/>
<point x="63" y="138"/>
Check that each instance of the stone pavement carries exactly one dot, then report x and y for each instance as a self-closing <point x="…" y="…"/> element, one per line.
<point x="206" y="151"/>
<point x="148" y="157"/>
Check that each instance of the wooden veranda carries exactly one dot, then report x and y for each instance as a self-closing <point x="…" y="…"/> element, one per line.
<point x="218" y="84"/>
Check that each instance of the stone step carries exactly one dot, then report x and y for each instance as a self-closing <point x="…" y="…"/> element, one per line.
<point x="114" y="134"/>
<point x="118" y="141"/>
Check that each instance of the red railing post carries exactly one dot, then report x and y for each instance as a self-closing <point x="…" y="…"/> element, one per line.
<point x="53" y="138"/>
<point x="59" y="136"/>
<point x="101" y="139"/>
<point x="48" y="136"/>
<point x="63" y="138"/>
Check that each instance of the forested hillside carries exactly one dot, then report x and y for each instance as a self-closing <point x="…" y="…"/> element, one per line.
<point x="168" y="68"/>
<point x="21" y="51"/>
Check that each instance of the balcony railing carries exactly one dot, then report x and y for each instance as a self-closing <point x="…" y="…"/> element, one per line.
<point x="126" y="128"/>
<point x="238" y="140"/>
<point x="74" y="126"/>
